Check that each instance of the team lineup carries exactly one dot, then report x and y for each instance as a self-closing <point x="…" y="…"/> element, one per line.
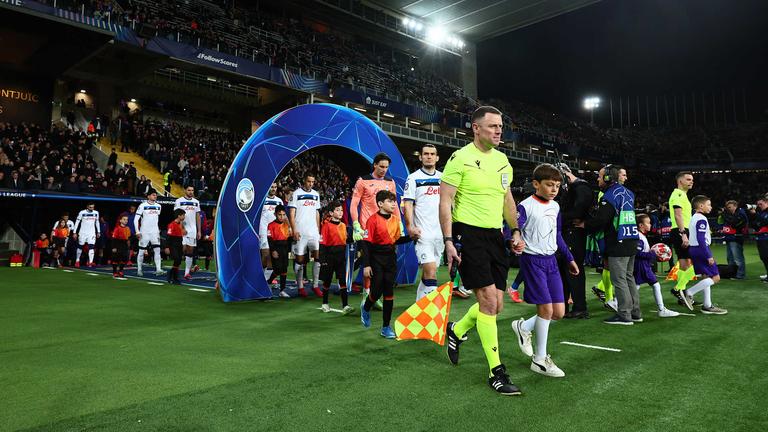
<point x="468" y="215"/>
<point x="465" y="215"/>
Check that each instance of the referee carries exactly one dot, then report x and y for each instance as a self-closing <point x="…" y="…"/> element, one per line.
<point x="474" y="197"/>
<point x="680" y="209"/>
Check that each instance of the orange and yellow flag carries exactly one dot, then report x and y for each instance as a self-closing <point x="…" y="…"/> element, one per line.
<point x="428" y="317"/>
<point x="672" y="275"/>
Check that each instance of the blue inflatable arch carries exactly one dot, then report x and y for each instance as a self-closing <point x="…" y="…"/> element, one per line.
<point x="257" y="165"/>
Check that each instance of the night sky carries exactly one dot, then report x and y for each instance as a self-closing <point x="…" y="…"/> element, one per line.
<point x="632" y="47"/>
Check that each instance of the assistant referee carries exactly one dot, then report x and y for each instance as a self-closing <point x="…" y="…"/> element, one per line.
<point x="474" y="197"/>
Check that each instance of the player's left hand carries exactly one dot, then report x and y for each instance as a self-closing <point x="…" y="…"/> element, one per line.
<point x="518" y="244"/>
<point x="414" y="232"/>
<point x="98" y="235"/>
<point x="198" y="235"/>
<point x="711" y="261"/>
<point x="368" y="272"/>
<point x="573" y="268"/>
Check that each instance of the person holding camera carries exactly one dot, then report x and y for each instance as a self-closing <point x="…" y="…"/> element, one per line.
<point x="761" y="231"/>
<point x="734" y="222"/>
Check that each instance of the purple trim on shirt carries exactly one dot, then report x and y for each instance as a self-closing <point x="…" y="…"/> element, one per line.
<point x="561" y="246"/>
<point x="521" y="216"/>
<point x="702" y="227"/>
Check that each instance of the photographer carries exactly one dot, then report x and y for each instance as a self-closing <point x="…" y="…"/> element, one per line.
<point x="735" y="222"/>
<point x="575" y="202"/>
<point x="760" y="224"/>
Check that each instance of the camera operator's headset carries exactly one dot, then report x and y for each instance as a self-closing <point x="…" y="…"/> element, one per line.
<point x="611" y="173"/>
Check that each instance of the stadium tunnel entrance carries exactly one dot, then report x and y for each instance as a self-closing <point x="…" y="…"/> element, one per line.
<point x="343" y="135"/>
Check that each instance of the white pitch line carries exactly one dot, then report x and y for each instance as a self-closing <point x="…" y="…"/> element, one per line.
<point x="92" y="274"/>
<point x="69" y="271"/>
<point x="199" y="290"/>
<point x="679" y="313"/>
<point x="332" y="310"/>
<point x="156" y="283"/>
<point x="591" y="346"/>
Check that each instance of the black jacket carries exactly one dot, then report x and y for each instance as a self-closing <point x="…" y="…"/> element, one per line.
<point x="576" y="202"/>
<point x="603" y="221"/>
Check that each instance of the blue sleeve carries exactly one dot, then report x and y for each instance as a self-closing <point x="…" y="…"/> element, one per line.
<point x="645" y="256"/>
<point x="561" y="246"/>
<point x="521" y="216"/>
<point x="701" y="230"/>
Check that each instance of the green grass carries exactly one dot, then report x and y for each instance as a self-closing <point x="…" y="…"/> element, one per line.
<point x="82" y="352"/>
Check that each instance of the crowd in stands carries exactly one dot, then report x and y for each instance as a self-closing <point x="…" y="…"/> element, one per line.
<point x="342" y="59"/>
<point x="59" y="160"/>
<point x="330" y="181"/>
<point x="194" y="156"/>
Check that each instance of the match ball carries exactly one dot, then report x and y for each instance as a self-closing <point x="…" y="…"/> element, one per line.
<point x="662" y="251"/>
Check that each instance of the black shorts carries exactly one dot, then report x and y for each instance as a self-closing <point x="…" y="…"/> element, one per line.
<point x="175" y="248"/>
<point x="484" y="258"/>
<point x="677" y="244"/>
<point x="119" y="251"/>
<point x="205" y="248"/>
<point x="333" y="259"/>
<point x="279" y="264"/>
<point x="59" y="242"/>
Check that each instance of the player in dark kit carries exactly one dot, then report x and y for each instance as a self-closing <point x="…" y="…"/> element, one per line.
<point x="278" y="237"/>
<point x="173" y="246"/>
<point x="121" y="237"/>
<point x="333" y="259"/>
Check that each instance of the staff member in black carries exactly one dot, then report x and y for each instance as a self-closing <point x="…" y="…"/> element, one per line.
<point x="575" y="201"/>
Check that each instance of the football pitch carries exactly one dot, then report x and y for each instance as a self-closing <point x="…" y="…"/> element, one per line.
<point x="87" y="353"/>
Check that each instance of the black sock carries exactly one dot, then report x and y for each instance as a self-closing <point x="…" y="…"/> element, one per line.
<point x="387" y="312"/>
<point x="207" y="262"/>
<point x="282" y="282"/>
<point x="325" y="295"/>
<point x="114" y="268"/>
<point x="368" y="303"/>
<point x="121" y="266"/>
<point x="344" y="296"/>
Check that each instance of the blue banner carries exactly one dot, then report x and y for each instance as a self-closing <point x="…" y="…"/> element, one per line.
<point x="384" y="104"/>
<point x="33" y="195"/>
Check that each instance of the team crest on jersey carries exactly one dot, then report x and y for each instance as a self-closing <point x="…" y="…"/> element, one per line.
<point x="505" y="180"/>
<point x="244" y="195"/>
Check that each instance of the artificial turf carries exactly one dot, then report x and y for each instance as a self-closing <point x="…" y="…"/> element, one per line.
<point x="81" y="352"/>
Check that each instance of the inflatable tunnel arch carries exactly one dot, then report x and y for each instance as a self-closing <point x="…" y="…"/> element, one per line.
<point x="278" y="141"/>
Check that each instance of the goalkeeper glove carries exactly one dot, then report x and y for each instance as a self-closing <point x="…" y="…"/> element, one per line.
<point x="357" y="231"/>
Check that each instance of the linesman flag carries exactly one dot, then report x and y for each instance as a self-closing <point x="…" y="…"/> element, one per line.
<point x="427" y="318"/>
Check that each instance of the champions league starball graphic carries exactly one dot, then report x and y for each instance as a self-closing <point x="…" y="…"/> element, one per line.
<point x="257" y="165"/>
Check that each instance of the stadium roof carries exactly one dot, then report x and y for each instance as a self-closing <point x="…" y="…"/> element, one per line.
<point x="476" y="20"/>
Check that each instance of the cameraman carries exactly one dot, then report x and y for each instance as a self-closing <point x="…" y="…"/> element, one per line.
<point x="575" y="202"/>
<point x="761" y="231"/>
<point x="735" y="222"/>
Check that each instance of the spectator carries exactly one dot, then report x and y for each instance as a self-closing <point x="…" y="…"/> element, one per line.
<point x="15" y="182"/>
<point x="112" y="158"/>
<point x="735" y="223"/>
<point x="71" y="185"/>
